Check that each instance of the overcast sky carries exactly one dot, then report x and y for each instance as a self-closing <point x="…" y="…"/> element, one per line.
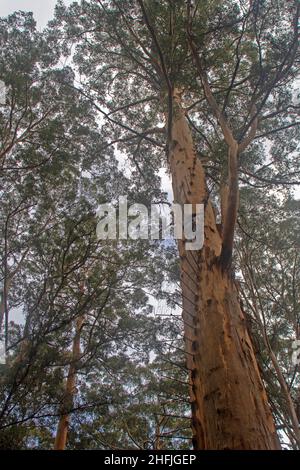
<point x="42" y="9"/>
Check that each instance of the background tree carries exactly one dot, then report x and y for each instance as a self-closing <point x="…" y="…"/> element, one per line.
<point x="207" y="92"/>
<point x="57" y="168"/>
<point x="269" y="284"/>
<point x="220" y="76"/>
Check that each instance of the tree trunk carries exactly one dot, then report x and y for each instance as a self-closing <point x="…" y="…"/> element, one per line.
<point x="3" y="302"/>
<point x="229" y="403"/>
<point x="67" y="404"/>
<point x="2" y="307"/>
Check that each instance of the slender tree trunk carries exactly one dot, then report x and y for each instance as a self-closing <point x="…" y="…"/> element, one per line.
<point x="157" y="441"/>
<point x="4" y="311"/>
<point x="2" y="307"/>
<point x="8" y="278"/>
<point x="229" y="403"/>
<point x="67" y="404"/>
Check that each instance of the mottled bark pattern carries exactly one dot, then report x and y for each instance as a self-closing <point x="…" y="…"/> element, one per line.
<point x="229" y="403"/>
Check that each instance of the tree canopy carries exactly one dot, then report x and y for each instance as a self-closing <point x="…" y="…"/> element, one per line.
<point x="91" y="108"/>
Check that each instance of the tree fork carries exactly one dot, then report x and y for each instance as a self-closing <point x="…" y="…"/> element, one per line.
<point x="229" y="404"/>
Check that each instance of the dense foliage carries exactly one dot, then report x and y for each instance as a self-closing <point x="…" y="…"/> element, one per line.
<point x="84" y="122"/>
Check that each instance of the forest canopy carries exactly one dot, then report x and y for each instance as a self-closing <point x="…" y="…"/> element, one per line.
<point x="139" y="342"/>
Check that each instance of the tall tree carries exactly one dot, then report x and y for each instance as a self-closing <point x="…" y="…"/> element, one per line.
<point x="56" y="168"/>
<point x="220" y="75"/>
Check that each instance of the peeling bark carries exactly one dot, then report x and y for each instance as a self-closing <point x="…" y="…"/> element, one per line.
<point x="228" y="400"/>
